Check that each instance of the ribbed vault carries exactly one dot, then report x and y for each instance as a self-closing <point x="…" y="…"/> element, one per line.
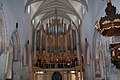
<point x="48" y="8"/>
<point x="52" y="13"/>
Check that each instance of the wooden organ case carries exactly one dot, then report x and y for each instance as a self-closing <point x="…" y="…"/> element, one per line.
<point x="56" y="42"/>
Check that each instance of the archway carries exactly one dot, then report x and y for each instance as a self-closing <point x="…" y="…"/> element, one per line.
<point x="14" y="54"/>
<point x="3" y="43"/>
<point x="56" y="76"/>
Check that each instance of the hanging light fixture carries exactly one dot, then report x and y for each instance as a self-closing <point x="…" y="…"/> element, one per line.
<point x="115" y="54"/>
<point x="109" y="25"/>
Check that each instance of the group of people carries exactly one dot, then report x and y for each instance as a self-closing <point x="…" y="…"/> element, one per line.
<point x="57" y="63"/>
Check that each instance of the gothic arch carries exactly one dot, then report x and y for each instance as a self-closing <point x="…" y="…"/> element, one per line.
<point x="15" y="42"/>
<point x="14" y="52"/>
<point x="56" y="76"/>
<point x="101" y="55"/>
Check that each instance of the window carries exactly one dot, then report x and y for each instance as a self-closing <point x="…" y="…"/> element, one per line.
<point x="29" y="9"/>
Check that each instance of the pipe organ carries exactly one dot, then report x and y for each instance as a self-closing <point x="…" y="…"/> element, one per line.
<point x="56" y="42"/>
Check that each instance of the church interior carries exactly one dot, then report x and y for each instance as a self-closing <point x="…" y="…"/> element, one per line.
<point x="62" y="40"/>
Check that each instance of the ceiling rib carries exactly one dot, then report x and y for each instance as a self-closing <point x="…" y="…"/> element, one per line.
<point x="49" y="4"/>
<point x="51" y="14"/>
<point x="53" y="10"/>
<point x="56" y="4"/>
<point x="33" y="1"/>
<point x="48" y="8"/>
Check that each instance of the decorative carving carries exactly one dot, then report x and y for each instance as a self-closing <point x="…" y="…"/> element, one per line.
<point x="110" y="24"/>
<point x="115" y="54"/>
<point x="56" y="42"/>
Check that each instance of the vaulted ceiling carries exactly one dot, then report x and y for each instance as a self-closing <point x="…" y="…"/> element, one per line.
<point x="68" y="9"/>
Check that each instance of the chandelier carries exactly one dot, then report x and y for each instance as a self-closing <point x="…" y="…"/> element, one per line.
<point x="115" y="54"/>
<point x="109" y="25"/>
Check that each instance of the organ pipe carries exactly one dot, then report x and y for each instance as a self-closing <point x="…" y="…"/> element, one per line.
<point x="47" y="28"/>
<point x="56" y="39"/>
<point x="41" y="41"/>
<point x="44" y="40"/>
<point x="37" y="40"/>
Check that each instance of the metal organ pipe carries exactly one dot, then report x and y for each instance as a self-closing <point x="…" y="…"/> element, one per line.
<point x="40" y="40"/>
<point x="52" y="30"/>
<point x="75" y="47"/>
<point x="74" y="40"/>
<point x="71" y="40"/>
<point x="49" y="28"/>
<point x="44" y="40"/>
<point x="58" y="31"/>
<point x="62" y="28"/>
<point x="46" y="28"/>
<point x="65" y="29"/>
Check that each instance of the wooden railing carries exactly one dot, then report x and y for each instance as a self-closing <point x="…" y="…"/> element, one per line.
<point x="57" y="65"/>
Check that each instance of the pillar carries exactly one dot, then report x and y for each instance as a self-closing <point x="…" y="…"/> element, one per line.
<point x="88" y="71"/>
<point x="25" y="72"/>
<point x="35" y="76"/>
<point x="76" y="75"/>
<point x="118" y="74"/>
<point x="68" y="75"/>
<point x="62" y="75"/>
<point x="45" y="75"/>
<point x="16" y="70"/>
<point x="3" y="66"/>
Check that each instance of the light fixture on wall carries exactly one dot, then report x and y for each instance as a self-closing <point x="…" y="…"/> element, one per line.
<point x="115" y="54"/>
<point x="109" y="25"/>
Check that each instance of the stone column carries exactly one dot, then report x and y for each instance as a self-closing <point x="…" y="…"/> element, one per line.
<point x="35" y="76"/>
<point x="25" y="72"/>
<point x="45" y="75"/>
<point x="118" y="74"/>
<point x="16" y="70"/>
<point x="3" y="66"/>
<point x="46" y="50"/>
<point x="76" y="75"/>
<point x="81" y="69"/>
<point x="62" y="75"/>
<point x="68" y="75"/>
<point x="88" y="72"/>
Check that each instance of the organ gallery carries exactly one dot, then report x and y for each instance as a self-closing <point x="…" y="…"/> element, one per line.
<point x="56" y="50"/>
<point x="55" y="42"/>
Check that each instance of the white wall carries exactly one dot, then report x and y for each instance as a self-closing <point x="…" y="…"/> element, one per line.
<point x="96" y="10"/>
<point x="14" y="12"/>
